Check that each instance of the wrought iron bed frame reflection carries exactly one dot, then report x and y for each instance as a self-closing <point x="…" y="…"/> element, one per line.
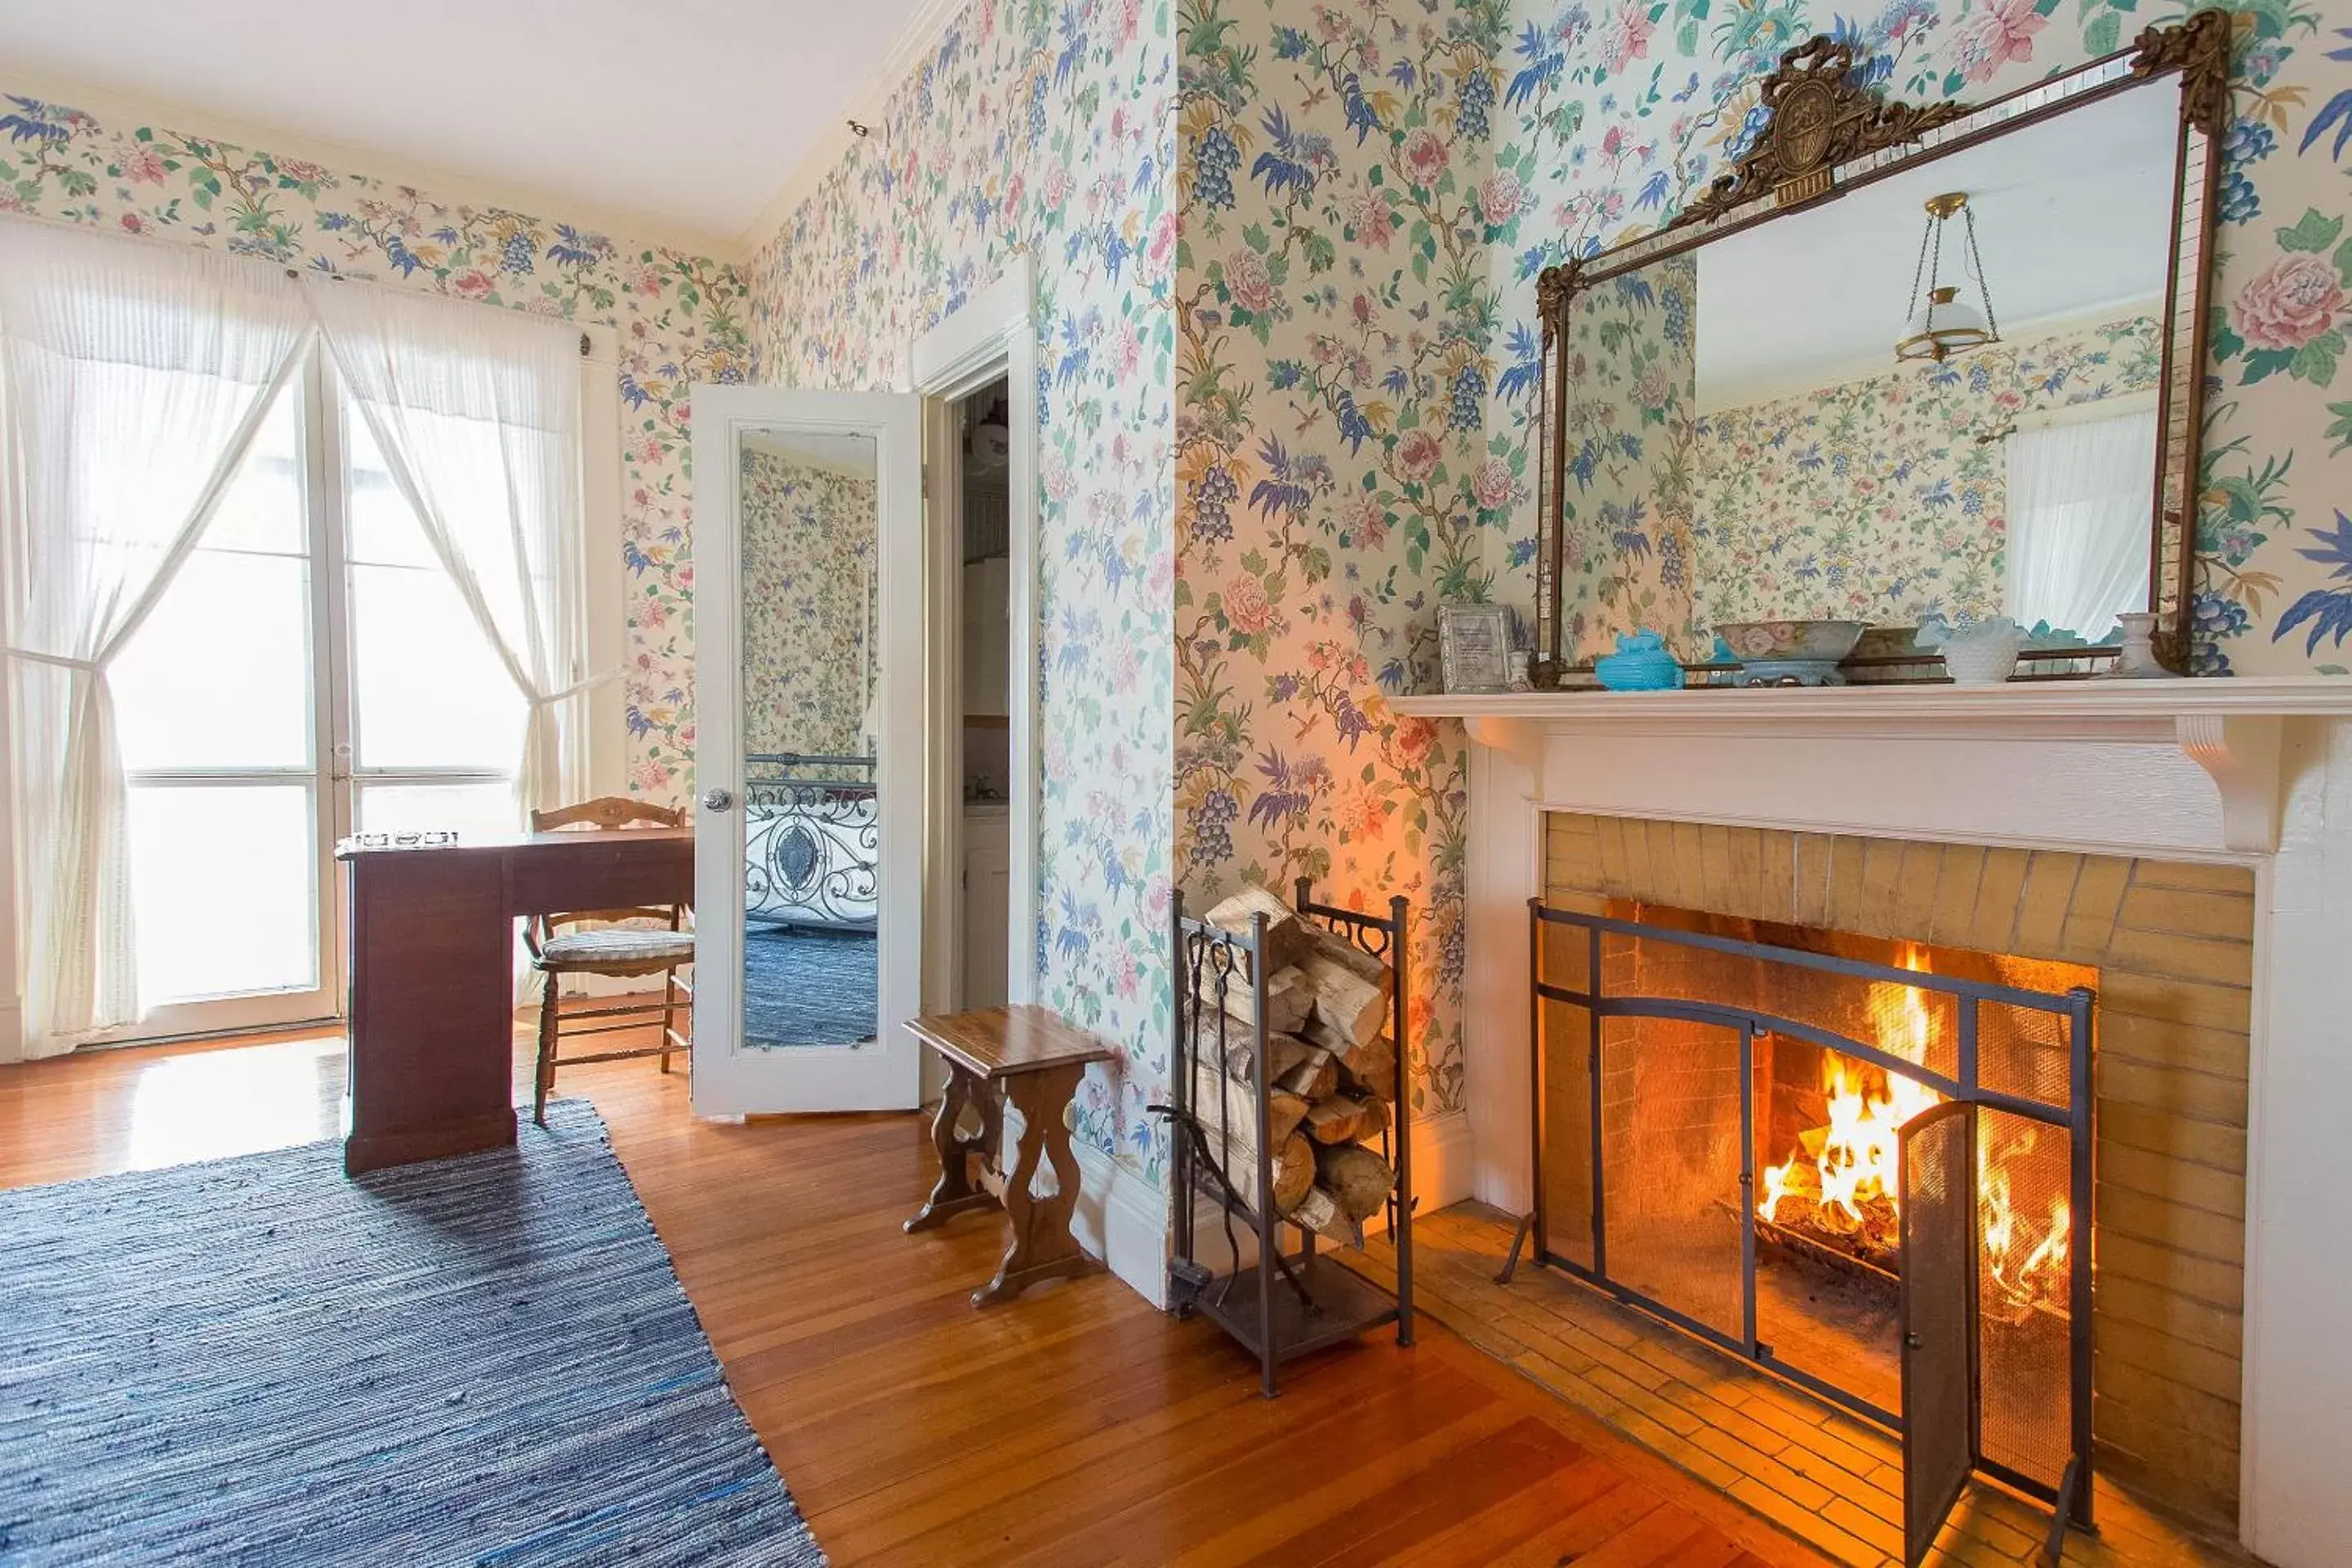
<point x="812" y="841"/>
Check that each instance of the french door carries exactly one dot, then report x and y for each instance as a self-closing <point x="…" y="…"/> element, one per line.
<point x="310" y="672"/>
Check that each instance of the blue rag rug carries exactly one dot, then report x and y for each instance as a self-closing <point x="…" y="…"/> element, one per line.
<point x="482" y="1361"/>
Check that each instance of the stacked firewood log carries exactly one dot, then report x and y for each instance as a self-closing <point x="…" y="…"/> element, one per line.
<point x="1330" y="1069"/>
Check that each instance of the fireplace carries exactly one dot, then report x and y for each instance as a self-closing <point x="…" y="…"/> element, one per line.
<point x="1861" y="1163"/>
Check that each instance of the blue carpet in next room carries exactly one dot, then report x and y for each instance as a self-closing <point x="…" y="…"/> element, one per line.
<point x="807" y="987"/>
<point x="484" y="1360"/>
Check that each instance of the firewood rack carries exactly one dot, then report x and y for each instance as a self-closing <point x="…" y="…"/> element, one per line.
<point x="1306" y="1302"/>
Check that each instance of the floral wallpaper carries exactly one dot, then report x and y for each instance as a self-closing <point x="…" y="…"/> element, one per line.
<point x="1335" y="317"/>
<point x="1042" y="126"/>
<point x="679" y="319"/>
<point x="1626" y="512"/>
<point x="810" y="596"/>
<point x="1367" y="192"/>
<point x="1613" y="112"/>
<point x="1874" y="500"/>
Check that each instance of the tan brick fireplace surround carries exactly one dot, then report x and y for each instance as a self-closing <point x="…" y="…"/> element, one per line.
<point x="2172" y="944"/>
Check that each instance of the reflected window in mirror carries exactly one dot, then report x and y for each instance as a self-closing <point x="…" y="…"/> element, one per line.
<point x="2079" y="491"/>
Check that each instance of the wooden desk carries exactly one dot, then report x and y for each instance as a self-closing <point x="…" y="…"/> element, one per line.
<point x="1026" y="1056"/>
<point x="430" y="968"/>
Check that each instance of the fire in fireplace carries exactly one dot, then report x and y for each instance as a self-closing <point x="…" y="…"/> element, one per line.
<point x="1862" y="1164"/>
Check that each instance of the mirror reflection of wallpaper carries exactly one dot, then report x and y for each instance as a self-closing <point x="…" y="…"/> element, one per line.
<point x="810" y="596"/>
<point x="1873" y="500"/>
<point x="1631" y="377"/>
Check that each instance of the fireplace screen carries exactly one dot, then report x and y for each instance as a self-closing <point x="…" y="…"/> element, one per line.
<point x="1863" y="1165"/>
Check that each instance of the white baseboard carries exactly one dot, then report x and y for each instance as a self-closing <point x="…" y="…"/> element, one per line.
<point x="1443" y="1154"/>
<point x="1122" y="1219"/>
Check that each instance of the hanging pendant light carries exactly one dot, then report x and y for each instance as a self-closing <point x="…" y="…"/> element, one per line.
<point x="1941" y="324"/>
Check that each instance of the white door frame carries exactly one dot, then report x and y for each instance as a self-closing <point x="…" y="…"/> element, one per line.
<point x="992" y="336"/>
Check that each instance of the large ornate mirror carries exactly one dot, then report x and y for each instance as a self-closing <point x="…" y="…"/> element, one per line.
<point x="1903" y="362"/>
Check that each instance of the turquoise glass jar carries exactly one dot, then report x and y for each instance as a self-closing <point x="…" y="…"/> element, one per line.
<point x="1640" y="664"/>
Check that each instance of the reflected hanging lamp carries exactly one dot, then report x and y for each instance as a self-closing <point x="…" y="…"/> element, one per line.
<point x="1942" y="324"/>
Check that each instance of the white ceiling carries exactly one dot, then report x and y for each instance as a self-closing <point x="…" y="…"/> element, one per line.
<point x="2073" y="219"/>
<point x="689" y="113"/>
<point x="835" y="449"/>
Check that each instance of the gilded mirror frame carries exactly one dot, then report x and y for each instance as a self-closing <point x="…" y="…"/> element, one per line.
<point x="1825" y="137"/>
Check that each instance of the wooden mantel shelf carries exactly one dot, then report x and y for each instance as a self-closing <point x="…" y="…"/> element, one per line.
<point x="2232" y="728"/>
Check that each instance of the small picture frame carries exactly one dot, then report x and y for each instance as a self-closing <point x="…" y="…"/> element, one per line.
<point x="1474" y="646"/>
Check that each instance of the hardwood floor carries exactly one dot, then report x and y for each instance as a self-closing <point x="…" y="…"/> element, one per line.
<point x="1076" y="1425"/>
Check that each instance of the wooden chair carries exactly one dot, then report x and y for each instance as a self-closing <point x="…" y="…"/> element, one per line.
<point x="608" y="948"/>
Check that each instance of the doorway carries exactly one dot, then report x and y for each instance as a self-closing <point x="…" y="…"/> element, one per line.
<point x="985" y="754"/>
<point x="935" y="629"/>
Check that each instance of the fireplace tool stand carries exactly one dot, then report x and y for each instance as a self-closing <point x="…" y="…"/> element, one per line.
<point x="1281" y="1306"/>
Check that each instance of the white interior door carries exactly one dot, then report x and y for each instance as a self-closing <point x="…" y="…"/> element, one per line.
<point x="809" y="750"/>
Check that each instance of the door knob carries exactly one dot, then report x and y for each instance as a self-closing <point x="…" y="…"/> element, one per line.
<point x="717" y="799"/>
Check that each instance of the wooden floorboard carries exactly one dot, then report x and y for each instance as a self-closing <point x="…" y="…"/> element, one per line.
<point x="1076" y="1425"/>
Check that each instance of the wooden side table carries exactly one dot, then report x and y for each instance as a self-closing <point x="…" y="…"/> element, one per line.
<point x="1025" y="1057"/>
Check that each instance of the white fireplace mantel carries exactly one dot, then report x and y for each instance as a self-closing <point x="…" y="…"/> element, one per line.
<point x="2230" y="728"/>
<point x="2255" y="773"/>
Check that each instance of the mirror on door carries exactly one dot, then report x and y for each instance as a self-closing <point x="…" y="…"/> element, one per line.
<point x="811" y="672"/>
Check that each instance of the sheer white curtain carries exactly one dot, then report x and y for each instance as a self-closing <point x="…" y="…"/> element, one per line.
<point x="131" y="379"/>
<point x="2079" y="498"/>
<point x="477" y="414"/>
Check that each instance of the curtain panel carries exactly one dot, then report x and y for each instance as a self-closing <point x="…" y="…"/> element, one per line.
<point x="131" y="379"/>
<point x="2078" y="521"/>
<point x="477" y="414"/>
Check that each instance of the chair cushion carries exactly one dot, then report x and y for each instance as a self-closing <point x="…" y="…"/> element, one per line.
<point x="619" y="944"/>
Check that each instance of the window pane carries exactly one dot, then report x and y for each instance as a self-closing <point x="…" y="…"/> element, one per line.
<point x="262" y="508"/>
<point x="219" y="674"/>
<point x="475" y="812"/>
<point x="222" y="890"/>
<point x="427" y="690"/>
<point x="383" y="530"/>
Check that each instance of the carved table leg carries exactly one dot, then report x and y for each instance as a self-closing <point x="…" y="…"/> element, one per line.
<point x="1041" y="1246"/>
<point x="955" y="1190"/>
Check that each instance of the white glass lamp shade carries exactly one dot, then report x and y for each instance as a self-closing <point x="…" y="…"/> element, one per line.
<point x="1943" y="326"/>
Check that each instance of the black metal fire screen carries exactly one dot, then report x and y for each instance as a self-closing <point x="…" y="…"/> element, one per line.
<point x="1873" y="1180"/>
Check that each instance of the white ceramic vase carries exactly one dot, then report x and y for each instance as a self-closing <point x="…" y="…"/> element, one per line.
<point x="2137" y="660"/>
<point x="1982" y="654"/>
